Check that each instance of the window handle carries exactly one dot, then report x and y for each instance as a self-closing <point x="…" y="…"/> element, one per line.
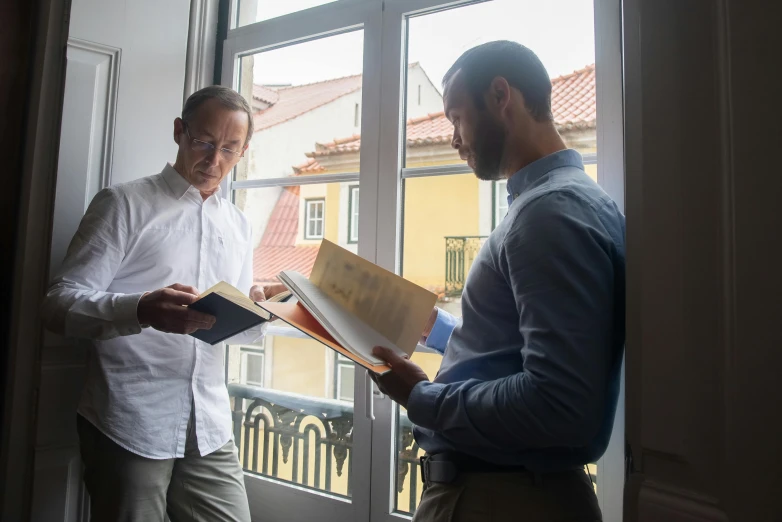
<point x="369" y="406"/>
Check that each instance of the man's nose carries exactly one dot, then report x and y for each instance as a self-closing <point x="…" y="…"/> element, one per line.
<point x="212" y="158"/>
<point x="456" y="141"/>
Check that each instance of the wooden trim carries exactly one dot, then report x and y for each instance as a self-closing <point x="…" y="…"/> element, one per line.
<point x="43" y="109"/>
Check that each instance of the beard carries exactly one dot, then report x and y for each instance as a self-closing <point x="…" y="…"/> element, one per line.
<point x="487" y="148"/>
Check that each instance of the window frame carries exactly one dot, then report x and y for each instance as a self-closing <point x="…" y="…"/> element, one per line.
<point x="308" y="218"/>
<point x="245" y="353"/>
<point x="352" y="214"/>
<point x="382" y="172"/>
<point x="496" y="204"/>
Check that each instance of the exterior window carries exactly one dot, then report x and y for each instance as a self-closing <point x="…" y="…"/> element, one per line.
<point x="500" y="204"/>
<point x="344" y="372"/>
<point x="252" y="366"/>
<point x="313" y="222"/>
<point x="353" y="216"/>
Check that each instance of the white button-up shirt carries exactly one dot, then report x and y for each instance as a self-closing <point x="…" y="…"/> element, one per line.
<point x="141" y="383"/>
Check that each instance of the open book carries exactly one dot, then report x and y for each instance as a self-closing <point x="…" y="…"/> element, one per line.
<point x="234" y="312"/>
<point x="352" y="305"/>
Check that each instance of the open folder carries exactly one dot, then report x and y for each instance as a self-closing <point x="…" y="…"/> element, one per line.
<point x="352" y="305"/>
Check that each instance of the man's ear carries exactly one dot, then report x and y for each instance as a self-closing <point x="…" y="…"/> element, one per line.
<point x="499" y="93"/>
<point x="179" y="129"/>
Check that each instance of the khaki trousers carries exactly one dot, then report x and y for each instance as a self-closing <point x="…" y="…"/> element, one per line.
<point x="125" y="487"/>
<point x="506" y="497"/>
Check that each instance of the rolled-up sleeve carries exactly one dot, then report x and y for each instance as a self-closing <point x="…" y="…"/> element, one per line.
<point x="441" y="331"/>
<point x="558" y="262"/>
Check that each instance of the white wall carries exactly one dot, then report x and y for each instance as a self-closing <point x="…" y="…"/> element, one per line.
<point x="153" y="38"/>
<point x="431" y="99"/>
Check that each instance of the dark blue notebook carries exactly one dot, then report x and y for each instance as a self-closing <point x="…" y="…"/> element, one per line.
<point x="232" y="319"/>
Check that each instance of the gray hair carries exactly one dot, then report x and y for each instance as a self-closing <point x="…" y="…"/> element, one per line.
<point x="229" y="98"/>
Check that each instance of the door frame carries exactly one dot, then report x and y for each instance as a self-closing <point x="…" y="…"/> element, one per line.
<point x="38" y="171"/>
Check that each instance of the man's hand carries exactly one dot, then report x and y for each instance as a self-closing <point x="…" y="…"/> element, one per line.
<point x="400" y="381"/>
<point x="165" y="310"/>
<point x="259" y="293"/>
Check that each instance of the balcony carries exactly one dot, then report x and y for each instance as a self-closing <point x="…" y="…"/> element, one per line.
<point x="460" y="252"/>
<point x="308" y="441"/>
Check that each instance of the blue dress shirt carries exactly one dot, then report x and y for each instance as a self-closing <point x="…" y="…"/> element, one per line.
<point x="530" y="374"/>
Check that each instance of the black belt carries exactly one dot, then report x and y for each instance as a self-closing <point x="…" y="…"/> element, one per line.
<point x="445" y="467"/>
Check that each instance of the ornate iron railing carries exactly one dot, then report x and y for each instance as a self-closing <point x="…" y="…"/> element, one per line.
<point x="316" y="437"/>
<point x="308" y="441"/>
<point x="460" y="252"/>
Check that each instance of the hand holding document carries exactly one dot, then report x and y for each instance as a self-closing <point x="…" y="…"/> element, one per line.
<point x="234" y="312"/>
<point x="352" y="305"/>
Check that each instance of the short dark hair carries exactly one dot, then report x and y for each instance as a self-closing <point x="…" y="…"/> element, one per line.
<point x="514" y="62"/>
<point x="229" y="98"/>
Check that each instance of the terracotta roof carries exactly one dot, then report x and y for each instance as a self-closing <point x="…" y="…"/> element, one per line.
<point x="310" y="166"/>
<point x="277" y="250"/>
<point x="300" y="99"/>
<point x="265" y="94"/>
<point x="424" y="130"/>
<point x="573" y="99"/>
<point x="294" y="101"/>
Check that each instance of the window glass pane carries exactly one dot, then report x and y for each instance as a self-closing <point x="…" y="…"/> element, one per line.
<point x="346" y="374"/>
<point x="251" y="11"/>
<point x="303" y="109"/>
<point x="438" y="256"/>
<point x="436" y="40"/>
<point x="298" y="374"/>
<point x="354" y="214"/>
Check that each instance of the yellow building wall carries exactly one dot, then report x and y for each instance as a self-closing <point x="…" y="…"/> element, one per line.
<point x="333" y="212"/>
<point x="434" y="208"/>
<point x="298" y="366"/>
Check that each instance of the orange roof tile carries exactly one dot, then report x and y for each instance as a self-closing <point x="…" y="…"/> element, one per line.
<point x="310" y="166"/>
<point x="265" y="94"/>
<point x="277" y="250"/>
<point x="573" y="99"/>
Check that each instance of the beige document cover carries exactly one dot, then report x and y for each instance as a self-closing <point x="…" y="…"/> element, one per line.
<point x="358" y="303"/>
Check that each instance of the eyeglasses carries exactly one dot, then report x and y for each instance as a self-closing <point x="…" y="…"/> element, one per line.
<point x="208" y="148"/>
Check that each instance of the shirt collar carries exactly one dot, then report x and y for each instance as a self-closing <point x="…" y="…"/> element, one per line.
<point x="527" y="176"/>
<point x="176" y="182"/>
<point x="180" y="186"/>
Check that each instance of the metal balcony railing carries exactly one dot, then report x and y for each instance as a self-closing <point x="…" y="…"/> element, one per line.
<point x="460" y="252"/>
<point x="308" y="441"/>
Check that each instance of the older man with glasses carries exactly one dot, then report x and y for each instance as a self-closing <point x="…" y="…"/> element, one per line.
<point x="154" y="420"/>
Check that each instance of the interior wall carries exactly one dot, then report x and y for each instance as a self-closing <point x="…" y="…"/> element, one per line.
<point x="703" y="345"/>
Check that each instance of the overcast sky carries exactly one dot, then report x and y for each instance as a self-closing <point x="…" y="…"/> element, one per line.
<point x="561" y="32"/>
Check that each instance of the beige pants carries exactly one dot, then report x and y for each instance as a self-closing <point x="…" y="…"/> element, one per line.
<point x="125" y="487"/>
<point x="506" y="497"/>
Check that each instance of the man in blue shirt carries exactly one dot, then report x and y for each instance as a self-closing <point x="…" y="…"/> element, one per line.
<point x="527" y="390"/>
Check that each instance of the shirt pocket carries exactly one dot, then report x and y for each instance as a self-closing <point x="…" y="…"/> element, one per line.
<point x="229" y="255"/>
